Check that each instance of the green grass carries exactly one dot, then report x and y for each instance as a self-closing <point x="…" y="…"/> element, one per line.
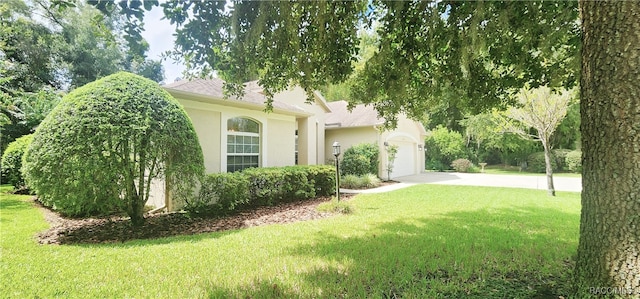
<point x="427" y="241"/>
<point x="515" y="170"/>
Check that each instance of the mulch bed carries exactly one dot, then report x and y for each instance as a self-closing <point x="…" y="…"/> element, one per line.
<point x="119" y="229"/>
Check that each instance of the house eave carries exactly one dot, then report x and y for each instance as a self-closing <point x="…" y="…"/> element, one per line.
<point x="180" y="94"/>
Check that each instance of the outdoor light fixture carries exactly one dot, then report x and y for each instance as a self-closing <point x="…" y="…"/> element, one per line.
<point x="336" y="153"/>
<point x="336" y="149"/>
<point x="420" y="147"/>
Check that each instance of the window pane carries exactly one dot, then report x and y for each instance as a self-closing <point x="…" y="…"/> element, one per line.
<point x="231" y="149"/>
<point x="231" y="138"/>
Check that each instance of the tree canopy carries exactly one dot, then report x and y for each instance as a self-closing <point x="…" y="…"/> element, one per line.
<point x="428" y="52"/>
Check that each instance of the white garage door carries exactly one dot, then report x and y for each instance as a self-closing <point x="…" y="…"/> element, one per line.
<point x="405" y="163"/>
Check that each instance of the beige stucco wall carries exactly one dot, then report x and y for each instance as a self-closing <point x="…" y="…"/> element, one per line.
<point x="277" y="132"/>
<point x="348" y="137"/>
<point x="280" y="137"/>
<point x="310" y="129"/>
<point x="207" y="124"/>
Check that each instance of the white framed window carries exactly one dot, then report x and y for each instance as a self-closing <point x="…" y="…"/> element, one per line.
<point x="243" y="144"/>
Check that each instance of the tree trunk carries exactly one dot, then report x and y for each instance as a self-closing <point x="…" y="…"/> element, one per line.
<point x="137" y="211"/>
<point x="608" y="259"/>
<point x="548" y="168"/>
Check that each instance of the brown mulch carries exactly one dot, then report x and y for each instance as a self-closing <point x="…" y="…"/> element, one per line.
<point x="119" y="229"/>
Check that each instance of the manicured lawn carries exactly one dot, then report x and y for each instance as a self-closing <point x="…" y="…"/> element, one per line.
<point x="426" y="241"/>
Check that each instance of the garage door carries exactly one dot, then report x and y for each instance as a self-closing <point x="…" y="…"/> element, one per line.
<point x="405" y="163"/>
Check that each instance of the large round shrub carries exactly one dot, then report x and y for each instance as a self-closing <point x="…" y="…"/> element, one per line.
<point x="101" y="147"/>
<point x="12" y="161"/>
<point x="360" y="159"/>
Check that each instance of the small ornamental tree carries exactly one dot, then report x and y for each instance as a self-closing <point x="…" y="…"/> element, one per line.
<point x="102" y="146"/>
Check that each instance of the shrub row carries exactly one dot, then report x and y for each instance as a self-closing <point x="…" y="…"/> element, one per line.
<point x="561" y="160"/>
<point x="221" y="193"/>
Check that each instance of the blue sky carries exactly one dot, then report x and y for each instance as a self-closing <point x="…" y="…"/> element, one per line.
<point x="159" y="35"/>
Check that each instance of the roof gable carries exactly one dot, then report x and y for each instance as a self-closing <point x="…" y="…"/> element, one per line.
<point x="361" y="115"/>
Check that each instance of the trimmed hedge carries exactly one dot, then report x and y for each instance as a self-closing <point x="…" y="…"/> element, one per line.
<point x="221" y="193"/>
<point x="12" y="161"/>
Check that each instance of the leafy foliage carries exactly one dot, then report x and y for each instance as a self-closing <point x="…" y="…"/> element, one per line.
<point x="573" y="161"/>
<point x="12" y="161"/>
<point x="560" y="155"/>
<point x="104" y="144"/>
<point x="442" y="146"/>
<point x="488" y="141"/>
<point x="360" y="159"/>
<point x="23" y="112"/>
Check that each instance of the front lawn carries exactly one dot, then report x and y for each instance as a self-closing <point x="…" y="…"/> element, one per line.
<point x="427" y="241"/>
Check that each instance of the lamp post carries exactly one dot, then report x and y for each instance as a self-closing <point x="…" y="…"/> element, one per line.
<point x="336" y="153"/>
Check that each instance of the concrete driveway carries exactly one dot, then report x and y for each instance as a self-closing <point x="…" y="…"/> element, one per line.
<point x="493" y="180"/>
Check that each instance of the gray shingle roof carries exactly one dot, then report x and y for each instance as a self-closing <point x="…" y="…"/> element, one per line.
<point x="360" y="116"/>
<point x="213" y="89"/>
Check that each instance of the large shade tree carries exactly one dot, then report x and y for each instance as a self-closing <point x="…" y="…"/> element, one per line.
<point x="470" y="55"/>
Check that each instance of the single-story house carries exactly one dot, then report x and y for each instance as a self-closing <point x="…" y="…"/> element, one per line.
<point x="236" y="133"/>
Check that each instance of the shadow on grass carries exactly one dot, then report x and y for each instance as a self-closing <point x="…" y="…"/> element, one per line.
<point x="510" y="253"/>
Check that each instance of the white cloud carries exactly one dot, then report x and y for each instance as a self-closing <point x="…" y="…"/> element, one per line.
<point x="159" y="35"/>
